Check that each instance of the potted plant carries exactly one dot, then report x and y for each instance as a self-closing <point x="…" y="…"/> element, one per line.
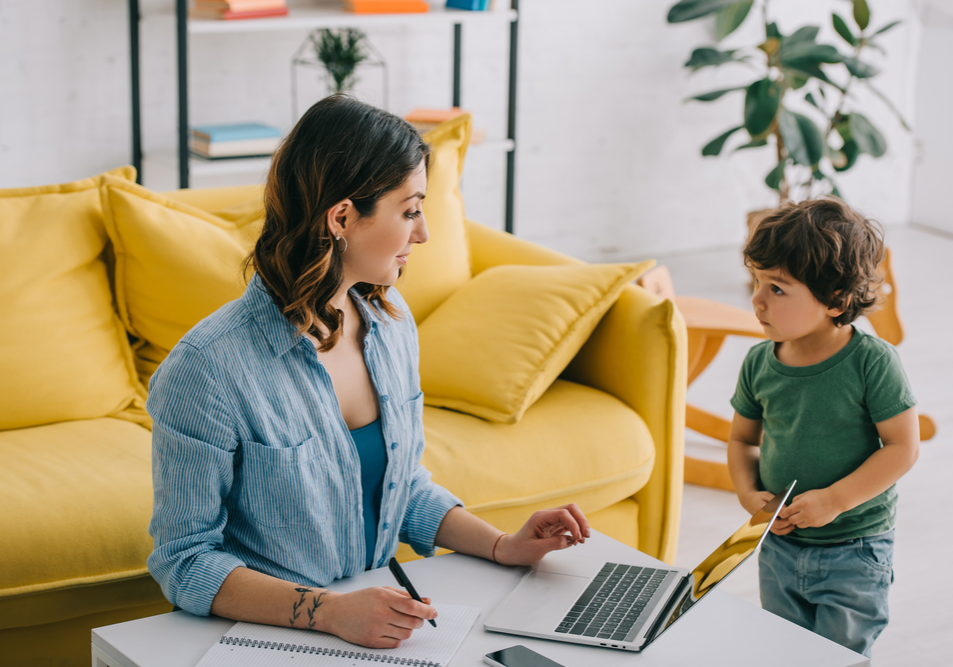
<point x="827" y="133"/>
<point x="340" y="51"/>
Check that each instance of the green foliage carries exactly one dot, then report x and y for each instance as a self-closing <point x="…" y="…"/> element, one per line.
<point x="795" y="70"/>
<point x="340" y="51"/>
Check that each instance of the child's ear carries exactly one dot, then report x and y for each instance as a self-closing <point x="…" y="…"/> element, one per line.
<point x="842" y="304"/>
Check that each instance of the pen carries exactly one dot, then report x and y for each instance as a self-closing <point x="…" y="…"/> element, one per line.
<point x="402" y="579"/>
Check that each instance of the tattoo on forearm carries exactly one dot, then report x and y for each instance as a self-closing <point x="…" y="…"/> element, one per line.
<point x="315" y="603"/>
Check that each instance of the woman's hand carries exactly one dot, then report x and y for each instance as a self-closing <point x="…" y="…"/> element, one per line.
<point x="545" y="531"/>
<point x="379" y="617"/>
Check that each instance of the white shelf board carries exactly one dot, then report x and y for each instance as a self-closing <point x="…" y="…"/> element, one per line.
<point x="308" y="18"/>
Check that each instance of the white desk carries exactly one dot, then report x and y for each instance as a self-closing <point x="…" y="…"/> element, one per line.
<point x="720" y="630"/>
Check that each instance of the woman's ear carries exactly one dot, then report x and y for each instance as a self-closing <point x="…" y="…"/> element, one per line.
<point x="339" y="217"/>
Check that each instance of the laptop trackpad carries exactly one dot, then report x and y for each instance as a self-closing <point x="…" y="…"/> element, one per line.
<point x="539" y="603"/>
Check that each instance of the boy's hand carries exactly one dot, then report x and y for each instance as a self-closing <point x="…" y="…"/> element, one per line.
<point x="811" y="509"/>
<point x="754" y="501"/>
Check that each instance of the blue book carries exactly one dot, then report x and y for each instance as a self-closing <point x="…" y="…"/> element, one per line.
<point x="470" y="5"/>
<point x="235" y="132"/>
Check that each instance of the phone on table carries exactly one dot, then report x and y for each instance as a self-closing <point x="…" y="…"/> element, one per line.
<point x="518" y="656"/>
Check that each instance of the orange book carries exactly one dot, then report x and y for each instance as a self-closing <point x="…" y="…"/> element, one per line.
<point x="229" y="15"/>
<point x="421" y="115"/>
<point x="386" y="6"/>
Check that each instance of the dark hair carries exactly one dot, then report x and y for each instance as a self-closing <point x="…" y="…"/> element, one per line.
<point x="826" y="245"/>
<point x="340" y="149"/>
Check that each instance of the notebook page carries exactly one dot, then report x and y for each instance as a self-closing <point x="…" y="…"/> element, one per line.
<point x="427" y="646"/>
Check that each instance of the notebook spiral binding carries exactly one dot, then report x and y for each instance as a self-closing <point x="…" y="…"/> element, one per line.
<point x="315" y="650"/>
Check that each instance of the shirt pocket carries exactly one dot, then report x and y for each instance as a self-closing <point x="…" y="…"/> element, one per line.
<point x="413" y="433"/>
<point x="284" y="486"/>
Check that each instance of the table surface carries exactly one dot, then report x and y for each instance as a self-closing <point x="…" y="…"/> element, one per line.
<point x="720" y="630"/>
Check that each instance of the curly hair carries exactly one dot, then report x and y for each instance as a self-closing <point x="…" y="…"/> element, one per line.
<point x="827" y="246"/>
<point x="340" y="149"/>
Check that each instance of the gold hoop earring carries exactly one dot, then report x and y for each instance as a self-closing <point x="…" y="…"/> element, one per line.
<point x="341" y="238"/>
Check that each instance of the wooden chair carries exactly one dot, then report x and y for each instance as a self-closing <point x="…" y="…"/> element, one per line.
<point x="709" y="322"/>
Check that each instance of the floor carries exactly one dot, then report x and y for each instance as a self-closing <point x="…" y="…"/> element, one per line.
<point x="920" y="597"/>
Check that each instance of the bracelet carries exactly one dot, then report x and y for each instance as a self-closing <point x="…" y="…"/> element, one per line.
<point x="493" y="553"/>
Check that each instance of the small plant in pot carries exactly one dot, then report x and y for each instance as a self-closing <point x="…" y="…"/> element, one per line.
<point x="341" y="52"/>
<point x="827" y="134"/>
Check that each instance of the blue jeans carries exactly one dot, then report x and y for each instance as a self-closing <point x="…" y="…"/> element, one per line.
<point x="838" y="591"/>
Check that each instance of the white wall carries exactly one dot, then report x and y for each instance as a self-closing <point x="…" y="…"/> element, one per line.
<point x="931" y="203"/>
<point x="608" y="160"/>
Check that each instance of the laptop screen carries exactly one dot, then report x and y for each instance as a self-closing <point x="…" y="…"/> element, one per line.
<point x="722" y="561"/>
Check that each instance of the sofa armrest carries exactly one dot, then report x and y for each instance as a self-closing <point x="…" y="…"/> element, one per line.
<point x="639" y="354"/>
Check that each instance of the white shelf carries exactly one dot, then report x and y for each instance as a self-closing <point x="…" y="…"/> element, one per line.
<point x="161" y="167"/>
<point x="306" y="18"/>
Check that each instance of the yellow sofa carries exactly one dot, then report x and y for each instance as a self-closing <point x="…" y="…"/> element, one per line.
<point x="82" y="334"/>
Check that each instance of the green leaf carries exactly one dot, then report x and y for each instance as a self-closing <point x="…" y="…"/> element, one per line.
<point x="869" y="139"/>
<point x="761" y="105"/>
<point x="771" y="31"/>
<point x="715" y="94"/>
<point x="754" y="143"/>
<point x="850" y="151"/>
<point x="809" y="98"/>
<point x="887" y="27"/>
<point x="803" y="53"/>
<point x="813" y="139"/>
<point x="859" y="68"/>
<point x="686" y="10"/>
<point x="793" y="141"/>
<point x="709" y="57"/>
<point x="815" y="71"/>
<point x="840" y="25"/>
<point x="773" y="179"/>
<point x="861" y="13"/>
<point x="729" y="18"/>
<point x="714" y="146"/>
<point x="806" y="34"/>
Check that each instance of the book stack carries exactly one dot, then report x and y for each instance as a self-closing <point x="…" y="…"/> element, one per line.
<point x="237" y="9"/>
<point x="425" y="120"/>
<point x="387" y="6"/>
<point x="231" y="141"/>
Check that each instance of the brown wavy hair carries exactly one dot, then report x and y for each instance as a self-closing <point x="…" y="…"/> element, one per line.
<point x="826" y="245"/>
<point x="340" y="149"/>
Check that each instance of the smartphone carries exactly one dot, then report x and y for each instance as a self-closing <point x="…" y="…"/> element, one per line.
<point x="518" y="656"/>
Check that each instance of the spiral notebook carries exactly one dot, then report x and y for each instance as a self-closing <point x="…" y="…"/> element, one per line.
<point x="270" y="646"/>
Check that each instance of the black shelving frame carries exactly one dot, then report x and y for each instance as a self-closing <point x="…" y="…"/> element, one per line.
<point x="182" y="73"/>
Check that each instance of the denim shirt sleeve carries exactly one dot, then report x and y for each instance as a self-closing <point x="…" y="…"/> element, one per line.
<point x="193" y="447"/>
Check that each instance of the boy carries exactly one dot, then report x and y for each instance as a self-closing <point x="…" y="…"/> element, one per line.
<point x="830" y="406"/>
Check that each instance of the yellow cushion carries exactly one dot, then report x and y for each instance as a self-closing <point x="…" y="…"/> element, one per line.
<point x="496" y="345"/>
<point x="76" y="499"/>
<point x="437" y="268"/>
<point x="63" y="352"/>
<point x="175" y="265"/>
<point x="605" y="455"/>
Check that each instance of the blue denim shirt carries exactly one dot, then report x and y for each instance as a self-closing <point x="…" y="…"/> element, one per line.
<point x="253" y="464"/>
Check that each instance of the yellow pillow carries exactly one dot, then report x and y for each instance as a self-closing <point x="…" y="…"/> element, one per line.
<point x="175" y="265"/>
<point x="439" y="267"/>
<point x="496" y="345"/>
<point x="63" y="352"/>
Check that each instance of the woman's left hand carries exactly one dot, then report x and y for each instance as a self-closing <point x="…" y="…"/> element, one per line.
<point x="547" y="530"/>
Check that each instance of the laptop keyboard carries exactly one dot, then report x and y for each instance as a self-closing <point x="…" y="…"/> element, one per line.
<point x="613" y="602"/>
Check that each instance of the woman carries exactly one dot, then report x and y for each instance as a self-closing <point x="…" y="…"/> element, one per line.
<point x="287" y="425"/>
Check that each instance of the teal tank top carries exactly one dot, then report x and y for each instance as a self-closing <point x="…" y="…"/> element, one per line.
<point x="373" y="454"/>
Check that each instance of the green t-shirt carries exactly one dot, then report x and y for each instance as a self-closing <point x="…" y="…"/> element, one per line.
<point x="819" y="424"/>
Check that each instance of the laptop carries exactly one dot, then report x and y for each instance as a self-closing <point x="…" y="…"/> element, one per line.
<point x="621" y="606"/>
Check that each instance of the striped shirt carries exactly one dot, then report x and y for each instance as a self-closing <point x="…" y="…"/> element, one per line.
<point x="253" y="464"/>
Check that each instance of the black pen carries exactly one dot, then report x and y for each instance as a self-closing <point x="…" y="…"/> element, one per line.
<point x="402" y="579"/>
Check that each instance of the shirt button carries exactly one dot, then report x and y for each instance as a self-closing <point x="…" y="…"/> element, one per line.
<point x="385" y="398"/>
<point x="393" y="445"/>
<point x="386" y="526"/>
<point x="393" y="486"/>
